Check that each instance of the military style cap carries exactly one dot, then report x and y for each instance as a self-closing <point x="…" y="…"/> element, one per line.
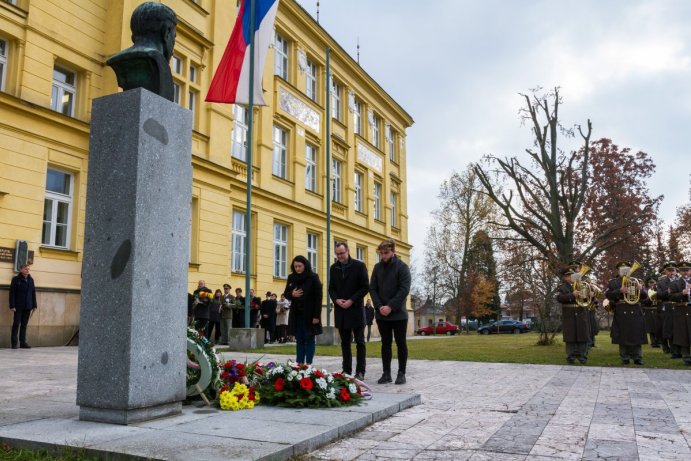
<point x="622" y="264"/>
<point x="668" y="265"/>
<point x="684" y="265"/>
<point x="225" y="285"/>
<point x="651" y="279"/>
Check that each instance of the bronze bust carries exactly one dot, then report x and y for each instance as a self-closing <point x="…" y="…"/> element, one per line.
<point x="146" y="63"/>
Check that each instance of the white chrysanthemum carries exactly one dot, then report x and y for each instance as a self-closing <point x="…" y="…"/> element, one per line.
<point x="352" y="388"/>
<point x="329" y="378"/>
<point x="321" y="382"/>
<point x="331" y="395"/>
<point x="289" y="377"/>
<point x="293" y="373"/>
<point x="307" y="372"/>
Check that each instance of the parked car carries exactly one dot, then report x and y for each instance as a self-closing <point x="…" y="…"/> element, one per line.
<point x="443" y="328"/>
<point x="504" y="326"/>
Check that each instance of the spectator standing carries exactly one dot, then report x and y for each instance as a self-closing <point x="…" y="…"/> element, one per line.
<point x="268" y="312"/>
<point x="22" y="305"/>
<point x="227" y="304"/>
<point x="389" y="288"/>
<point x="202" y="307"/>
<point x="282" y="307"/>
<point x="213" y="329"/>
<point x="348" y="285"/>
<point x="304" y="291"/>
<point x="255" y="309"/>
<point x="239" y="309"/>
<point x="369" y="317"/>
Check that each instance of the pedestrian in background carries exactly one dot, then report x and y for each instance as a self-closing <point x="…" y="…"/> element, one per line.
<point x="369" y="316"/>
<point x="389" y="288"/>
<point x="282" y="307"/>
<point x="213" y="329"/>
<point x="22" y="305"/>
<point x="202" y="307"/>
<point x="268" y="311"/>
<point x="227" y="304"/>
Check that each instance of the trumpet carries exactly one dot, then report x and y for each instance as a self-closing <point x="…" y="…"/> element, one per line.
<point x="583" y="290"/>
<point x="632" y="285"/>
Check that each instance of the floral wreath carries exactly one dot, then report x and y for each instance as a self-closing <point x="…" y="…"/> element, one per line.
<point x="203" y="366"/>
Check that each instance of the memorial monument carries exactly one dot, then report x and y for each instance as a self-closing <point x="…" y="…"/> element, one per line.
<point x="132" y="352"/>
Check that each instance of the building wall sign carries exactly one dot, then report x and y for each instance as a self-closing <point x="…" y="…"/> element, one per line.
<point x="294" y="107"/>
<point x="7" y="255"/>
<point x="369" y="158"/>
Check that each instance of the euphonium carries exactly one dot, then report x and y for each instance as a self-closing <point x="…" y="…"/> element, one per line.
<point x="582" y="289"/>
<point x="632" y="285"/>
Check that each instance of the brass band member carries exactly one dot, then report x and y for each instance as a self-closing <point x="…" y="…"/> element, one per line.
<point x="650" y="313"/>
<point x="664" y="287"/>
<point x="575" y="331"/>
<point x="682" y="312"/>
<point x="628" y="326"/>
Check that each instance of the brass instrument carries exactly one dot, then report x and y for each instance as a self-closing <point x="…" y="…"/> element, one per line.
<point x="632" y="285"/>
<point x="582" y="289"/>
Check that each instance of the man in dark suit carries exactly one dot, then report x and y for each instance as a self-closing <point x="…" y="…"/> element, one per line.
<point x="348" y="286"/>
<point x="666" y="319"/>
<point x="22" y="303"/>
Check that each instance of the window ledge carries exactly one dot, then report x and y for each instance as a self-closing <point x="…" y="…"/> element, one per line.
<point x="194" y="266"/>
<point x="284" y="180"/>
<point x="316" y="194"/>
<point x="360" y="213"/>
<point x="280" y="279"/>
<point x="62" y="253"/>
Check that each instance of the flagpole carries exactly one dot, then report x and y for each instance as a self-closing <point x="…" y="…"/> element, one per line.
<point x="328" y="183"/>
<point x="250" y="143"/>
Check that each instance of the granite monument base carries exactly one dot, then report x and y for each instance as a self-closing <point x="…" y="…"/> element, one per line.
<point x="329" y="337"/>
<point x="132" y="351"/>
<point x="245" y="338"/>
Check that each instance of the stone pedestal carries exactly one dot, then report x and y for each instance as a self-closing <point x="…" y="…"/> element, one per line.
<point x="329" y="337"/>
<point x="136" y="251"/>
<point x="245" y="338"/>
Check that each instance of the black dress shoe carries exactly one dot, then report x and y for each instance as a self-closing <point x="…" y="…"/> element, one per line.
<point x="360" y="375"/>
<point x="625" y="361"/>
<point x="638" y="362"/>
<point x="14" y="346"/>
<point x="676" y="356"/>
<point x="400" y="378"/>
<point x="385" y="379"/>
<point x="25" y="346"/>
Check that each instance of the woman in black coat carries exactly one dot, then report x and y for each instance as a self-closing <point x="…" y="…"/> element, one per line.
<point x="304" y="291"/>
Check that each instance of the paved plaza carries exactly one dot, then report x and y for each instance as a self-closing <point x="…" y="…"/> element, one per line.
<point x="469" y="411"/>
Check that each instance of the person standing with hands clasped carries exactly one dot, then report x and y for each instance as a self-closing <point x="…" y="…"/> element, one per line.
<point x="22" y="304"/>
<point x="304" y="291"/>
<point x="348" y="286"/>
<point x="389" y="288"/>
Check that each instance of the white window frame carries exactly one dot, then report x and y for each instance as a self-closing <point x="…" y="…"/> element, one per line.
<point x="357" y="117"/>
<point x="239" y="236"/>
<point x="358" y="179"/>
<point x="310" y="167"/>
<point x="394" y="213"/>
<point x="336" y="167"/>
<point x="313" y="251"/>
<point x="377" y="200"/>
<point x="281" y="57"/>
<point x="376" y="132"/>
<point x="238" y="148"/>
<point x="176" y="64"/>
<point x="392" y="145"/>
<point x="280" y="153"/>
<point x="361" y="254"/>
<point x="192" y="100"/>
<point x="336" y="101"/>
<point x="280" y="251"/>
<point x="311" y="88"/>
<point x="59" y="90"/>
<point x="56" y="198"/>
<point x="3" y="62"/>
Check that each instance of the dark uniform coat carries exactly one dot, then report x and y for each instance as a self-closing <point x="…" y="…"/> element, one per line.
<point x="681" y="314"/>
<point x="664" y="287"/>
<point x="575" y="328"/>
<point x="628" y="327"/>
<point x="349" y="281"/>
<point x="650" y="316"/>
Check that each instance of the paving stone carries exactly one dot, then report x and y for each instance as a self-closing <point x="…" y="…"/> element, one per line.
<point x="623" y="433"/>
<point x="610" y="450"/>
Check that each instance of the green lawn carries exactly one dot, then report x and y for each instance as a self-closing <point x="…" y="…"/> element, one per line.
<point x="66" y="454"/>
<point x="506" y="348"/>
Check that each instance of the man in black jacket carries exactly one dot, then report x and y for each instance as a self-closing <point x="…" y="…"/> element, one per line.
<point x="348" y="286"/>
<point x="389" y="288"/>
<point x="22" y="303"/>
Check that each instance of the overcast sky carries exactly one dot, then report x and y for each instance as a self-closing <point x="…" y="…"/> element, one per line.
<point x="457" y="67"/>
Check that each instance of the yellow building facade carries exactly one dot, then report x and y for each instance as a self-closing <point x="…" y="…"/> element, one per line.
<point x="52" y="65"/>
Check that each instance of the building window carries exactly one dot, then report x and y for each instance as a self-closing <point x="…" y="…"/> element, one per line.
<point x="313" y="251"/>
<point x="336" y="180"/>
<point x="311" y="168"/>
<point x="394" y="200"/>
<point x="281" y="57"/>
<point x="336" y="101"/>
<point x="239" y="240"/>
<point x="57" y="208"/>
<point x="11" y="2"/>
<point x="176" y="64"/>
<point x="377" y="257"/>
<point x="3" y="63"/>
<point x="280" y="153"/>
<point x="358" y="192"/>
<point x="391" y="140"/>
<point x="376" y="132"/>
<point x="280" y="251"/>
<point x="311" y="81"/>
<point x="192" y="101"/>
<point x="360" y="254"/>
<point x="193" y="73"/>
<point x="64" y="91"/>
<point x="240" y="127"/>
<point x="377" y="201"/>
<point x="357" y="118"/>
<point x="176" y="67"/>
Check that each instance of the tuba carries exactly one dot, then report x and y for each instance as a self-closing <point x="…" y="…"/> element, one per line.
<point x="632" y="285"/>
<point x="582" y="289"/>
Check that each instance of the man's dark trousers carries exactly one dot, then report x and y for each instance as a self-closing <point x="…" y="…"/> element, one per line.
<point x="347" y="335"/>
<point x="19" y="324"/>
<point x="389" y="330"/>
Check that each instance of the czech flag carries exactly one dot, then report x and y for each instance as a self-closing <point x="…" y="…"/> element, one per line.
<point x="231" y="82"/>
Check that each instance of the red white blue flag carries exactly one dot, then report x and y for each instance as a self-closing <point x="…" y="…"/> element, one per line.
<point x="231" y="81"/>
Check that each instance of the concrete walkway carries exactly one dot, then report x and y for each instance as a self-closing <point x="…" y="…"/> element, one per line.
<point x="469" y="411"/>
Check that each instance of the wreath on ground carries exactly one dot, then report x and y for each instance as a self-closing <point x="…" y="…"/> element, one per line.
<point x="203" y="367"/>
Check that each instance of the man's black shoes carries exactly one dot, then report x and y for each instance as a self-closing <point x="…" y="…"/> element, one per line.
<point x="25" y="346"/>
<point x="14" y="346"/>
<point x="385" y="379"/>
<point x="400" y="378"/>
<point x="638" y="361"/>
<point x="625" y="361"/>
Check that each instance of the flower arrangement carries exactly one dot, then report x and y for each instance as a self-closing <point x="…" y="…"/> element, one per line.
<point x="299" y="385"/>
<point x="239" y="397"/>
<point x="204" y="296"/>
<point x="195" y="366"/>
<point x="239" y="382"/>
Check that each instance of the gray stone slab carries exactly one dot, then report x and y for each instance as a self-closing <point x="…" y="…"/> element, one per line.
<point x="610" y="450"/>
